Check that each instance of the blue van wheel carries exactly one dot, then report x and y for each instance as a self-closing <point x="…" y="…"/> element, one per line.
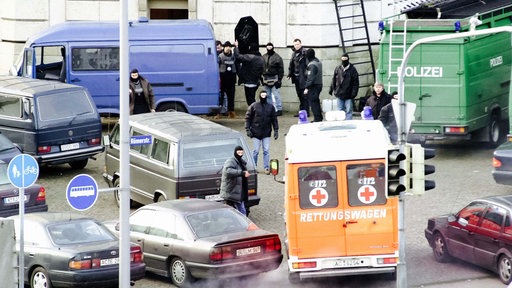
<point x="168" y="107"/>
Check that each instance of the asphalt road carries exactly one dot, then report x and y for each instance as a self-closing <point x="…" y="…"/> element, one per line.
<point x="463" y="172"/>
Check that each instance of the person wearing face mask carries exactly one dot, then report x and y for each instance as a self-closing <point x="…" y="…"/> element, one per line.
<point x="272" y="76"/>
<point x="233" y="185"/>
<point x="260" y="119"/>
<point x="142" y="99"/>
<point x="314" y="84"/>
<point x="345" y="85"/>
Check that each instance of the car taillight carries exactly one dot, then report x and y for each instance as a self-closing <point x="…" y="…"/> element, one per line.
<point x="221" y="253"/>
<point x="94" y="141"/>
<point x="455" y="130"/>
<point x="273" y="244"/>
<point x="251" y="192"/>
<point x="44" y="149"/>
<point x="80" y="264"/>
<point x="41" y="196"/>
<point x="389" y="260"/>
<point x="496" y="163"/>
<point x="136" y="255"/>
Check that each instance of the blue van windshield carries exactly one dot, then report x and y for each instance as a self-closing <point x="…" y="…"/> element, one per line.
<point x="64" y="105"/>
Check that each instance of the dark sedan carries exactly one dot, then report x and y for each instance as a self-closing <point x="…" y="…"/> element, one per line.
<point x="8" y="150"/>
<point x="197" y="238"/>
<point x="70" y="250"/>
<point x="35" y="196"/>
<point x="502" y="164"/>
<point x="480" y="233"/>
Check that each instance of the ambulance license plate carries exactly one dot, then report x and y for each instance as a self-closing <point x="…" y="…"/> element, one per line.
<point x="353" y="262"/>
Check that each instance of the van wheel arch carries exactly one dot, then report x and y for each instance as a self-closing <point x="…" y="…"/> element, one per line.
<point x="159" y="197"/>
<point x="171" y="106"/>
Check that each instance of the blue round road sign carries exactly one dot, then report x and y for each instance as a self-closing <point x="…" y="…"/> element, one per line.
<point x="23" y="171"/>
<point x="82" y="192"/>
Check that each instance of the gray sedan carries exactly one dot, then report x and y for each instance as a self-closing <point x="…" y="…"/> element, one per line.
<point x="197" y="238"/>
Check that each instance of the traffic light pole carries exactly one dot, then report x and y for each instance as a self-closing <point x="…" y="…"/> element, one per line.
<point x="402" y="134"/>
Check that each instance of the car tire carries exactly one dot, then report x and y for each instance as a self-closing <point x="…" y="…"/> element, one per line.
<point x="117" y="196"/>
<point x="293" y="277"/>
<point x="180" y="275"/>
<point x="439" y="248"/>
<point x="494" y="131"/>
<point x="78" y="164"/>
<point x="40" y="279"/>
<point x="505" y="269"/>
<point x="169" y="107"/>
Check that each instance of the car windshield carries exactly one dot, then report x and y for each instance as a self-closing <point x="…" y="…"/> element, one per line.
<point x="80" y="231"/>
<point x="218" y="222"/>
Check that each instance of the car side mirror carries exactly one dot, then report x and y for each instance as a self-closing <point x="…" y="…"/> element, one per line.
<point x="463" y="222"/>
<point x="274" y="169"/>
<point x="106" y="140"/>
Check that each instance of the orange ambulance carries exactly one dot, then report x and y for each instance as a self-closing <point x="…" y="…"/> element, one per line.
<point x="338" y="218"/>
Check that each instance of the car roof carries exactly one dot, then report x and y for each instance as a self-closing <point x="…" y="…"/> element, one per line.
<point x="180" y="126"/>
<point x="52" y="217"/>
<point x="29" y="87"/>
<point x="187" y="206"/>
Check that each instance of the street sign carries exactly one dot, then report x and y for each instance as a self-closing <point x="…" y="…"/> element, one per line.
<point x="139" y="140"/>
<point x="82" y="192"/>
<point x="23" y="171"/>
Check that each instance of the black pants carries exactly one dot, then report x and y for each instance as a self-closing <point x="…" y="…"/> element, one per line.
<point x="314" y="101"/>
<point x="303" y="101"/>
<point x="250" y="94"/>
<point x="227" y="87"/>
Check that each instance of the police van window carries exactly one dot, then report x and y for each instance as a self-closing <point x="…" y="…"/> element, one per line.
<point x="317" y="187"/>
<point x="87" y="59"/>
<point x="11" y="106"/>
<point x="187" y="57"/>
<point x="366" y="184"/>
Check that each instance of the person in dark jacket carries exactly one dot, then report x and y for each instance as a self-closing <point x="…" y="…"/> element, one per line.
<point x="314" y="84"/>
<point x="297" y="73"/>
<point x="251" y="69"/>
<point x="260" y="119"/>
<point x="378" y="99"/>
<point x="233" y="185"/>
<point x="345" y="85"/>
<point x="272" y="77"/>
<point x="227" y="69"/>
<point x="142" y="98"/>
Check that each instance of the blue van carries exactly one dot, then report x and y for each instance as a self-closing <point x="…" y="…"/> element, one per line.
<point x="178" y="57"/>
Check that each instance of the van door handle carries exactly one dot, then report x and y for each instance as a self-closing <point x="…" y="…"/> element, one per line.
<point x="349" y="222"/>
<point x="188" y="88"/>
<point x="75" y="80"/>
<point x="425" y="96"/>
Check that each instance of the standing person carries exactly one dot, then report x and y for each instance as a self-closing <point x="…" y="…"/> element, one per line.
<point x="387" y="117"/>
<point x="233" y="186"/>
<point x="314" y="84"/>
<point x="378" y="99"/>
<point x="345" y="85"/>
<point x="251" y="69"/>
<point x="227" y="69"/>
<point x="142" y="99"/>
<point x="260" y="119"/>
<point x="219" y="46"/>
<point x="297" y="73"/>
<point x="272" y="77"/>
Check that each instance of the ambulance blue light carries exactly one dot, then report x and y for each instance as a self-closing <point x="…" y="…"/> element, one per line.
<point x="381" y="26"/>
<point x="457" y="26"/>
<point x="303" y="117"/>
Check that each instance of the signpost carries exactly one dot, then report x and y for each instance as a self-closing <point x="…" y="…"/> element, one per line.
<point x="22" y="171"/>
<point x="82" y="192"/>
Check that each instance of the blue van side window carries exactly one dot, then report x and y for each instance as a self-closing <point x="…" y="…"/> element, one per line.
<point x="87" y="59"/>
<point x="180" y="57"/>
<point x="11" y="106"/>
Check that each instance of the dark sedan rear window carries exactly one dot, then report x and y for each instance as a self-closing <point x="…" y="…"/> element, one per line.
<point x="64" y="105"/>
<point x="78" y="232"/>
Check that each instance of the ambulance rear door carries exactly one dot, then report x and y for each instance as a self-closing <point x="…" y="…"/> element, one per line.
<point x="341" y="210"/>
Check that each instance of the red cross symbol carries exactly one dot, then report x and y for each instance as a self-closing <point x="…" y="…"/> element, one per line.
<point x="318" y="197"/>
<point x="367" y="194"/>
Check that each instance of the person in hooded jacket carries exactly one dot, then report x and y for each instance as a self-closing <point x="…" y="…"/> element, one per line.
<point x="314" y="84"/>
<point x="274" y="70"/>
<point x="251" y="69"/>
<point x="378" y="99"/>
<point x="233" y="186"/>
<point x="260" y="119"/>
<point x="142" y="98"/>
<point x="345" y="85"/>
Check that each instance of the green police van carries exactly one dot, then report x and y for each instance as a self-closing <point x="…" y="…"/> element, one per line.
<point x="460" y="86"/>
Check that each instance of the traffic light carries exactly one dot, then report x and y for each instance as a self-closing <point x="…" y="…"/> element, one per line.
<point x="394" y="172"/>
<point x="419" y="169"/>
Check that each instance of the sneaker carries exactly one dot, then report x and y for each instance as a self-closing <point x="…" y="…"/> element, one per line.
<point x="279" y="113"/>
<point x="267" y="171"/>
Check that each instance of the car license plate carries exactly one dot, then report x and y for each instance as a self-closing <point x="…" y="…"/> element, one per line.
<point x="352" y="262"/>
<point x="67" y="147"/>
<point x="248" y="251"/>
<point x="14" y="199"/>
<point x="214" y="197"/>
<point x="109" y="261"/>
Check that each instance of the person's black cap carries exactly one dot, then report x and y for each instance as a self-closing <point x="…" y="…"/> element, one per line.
<point x="134" y="70"/>
<point x="227" y="44"/>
